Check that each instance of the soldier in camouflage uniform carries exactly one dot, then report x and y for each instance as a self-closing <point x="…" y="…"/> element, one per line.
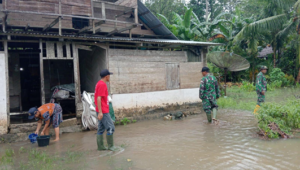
<point x="261" y="85"/>
<point x="209" y="93"/>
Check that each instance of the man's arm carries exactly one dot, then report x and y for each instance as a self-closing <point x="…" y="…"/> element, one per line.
<point x="100" y="114"/>
<point x="202" y="89"/>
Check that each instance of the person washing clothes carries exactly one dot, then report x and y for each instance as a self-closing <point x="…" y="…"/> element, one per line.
<point x="50" y="113"/>
<point x="102" y="108"/>
<point x="209" y="93"/>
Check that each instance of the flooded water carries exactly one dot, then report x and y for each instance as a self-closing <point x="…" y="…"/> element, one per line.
<point x="190" y="143"/>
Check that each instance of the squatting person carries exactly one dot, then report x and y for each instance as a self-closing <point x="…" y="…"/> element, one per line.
<point x="209" y="93"/>
<point x="261" y="87"/>
<point x="50" y="113"/>
<point x="102" y="108"/>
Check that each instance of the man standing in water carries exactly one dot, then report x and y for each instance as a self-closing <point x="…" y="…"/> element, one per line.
<point x="261" y="87"/>
<point x="102" y="108"/>
<point x="209" y="93"/>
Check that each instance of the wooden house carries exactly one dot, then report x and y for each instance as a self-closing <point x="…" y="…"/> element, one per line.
<point x="46" y="43"/>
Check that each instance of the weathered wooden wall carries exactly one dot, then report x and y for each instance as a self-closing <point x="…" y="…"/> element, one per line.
<point x="91" y="63"/>
<point x="137" y="71"/>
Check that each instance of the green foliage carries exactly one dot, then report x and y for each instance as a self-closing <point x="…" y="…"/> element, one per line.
<point x="279" y="79"/>
<point x="125" y="121"/>
<point x="277" y="75"/>
<point x="285" y="115"/>
<point x="247" y="86"/>
<point x="213" y="69"/>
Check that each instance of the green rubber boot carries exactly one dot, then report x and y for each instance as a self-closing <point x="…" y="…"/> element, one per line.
<point x="100" y="143"/>
<point x="110" y="142"/>
<point x="214" y="114"/>
<point x="208" y="117"/>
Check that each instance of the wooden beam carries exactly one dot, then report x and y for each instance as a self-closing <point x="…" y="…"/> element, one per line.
<point x="124" y="13"/>
<point x="43" y="100"/>
<point x="103" y="10"/>
<point x="136" y="18"/>
<point x="59" y="18"/>
<point x="121" y="30"/>
<point x="4" y="22"/>
<point x="48" y="26"/>
<point x="85" y="29"/>
<point x="76" y="75"/>
<point x="83" y="47"/>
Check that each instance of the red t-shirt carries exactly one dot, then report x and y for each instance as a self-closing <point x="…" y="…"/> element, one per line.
<point x="101" y="90"/>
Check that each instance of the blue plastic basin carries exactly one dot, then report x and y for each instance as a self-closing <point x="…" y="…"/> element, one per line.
<point x="32" y="137"/>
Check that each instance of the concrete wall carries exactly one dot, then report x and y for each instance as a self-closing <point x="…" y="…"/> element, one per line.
<point x="155" y="99"/>
<point x="138" y="71"/>
<point x="3" y="94"/>
<point x="91" y="63"/>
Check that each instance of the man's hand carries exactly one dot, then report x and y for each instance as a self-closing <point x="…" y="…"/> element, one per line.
<point x="263" y="92"/>
<point x="42" y="133"/>
<point x="100" y="116"/>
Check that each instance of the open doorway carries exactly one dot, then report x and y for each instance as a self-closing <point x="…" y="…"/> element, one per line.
<point x="90" y="64"/>
<point x="59" y="85"/>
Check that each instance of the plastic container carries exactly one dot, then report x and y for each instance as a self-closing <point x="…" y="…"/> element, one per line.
<point x="43" y="140"/>
<point x="32" y="137"/>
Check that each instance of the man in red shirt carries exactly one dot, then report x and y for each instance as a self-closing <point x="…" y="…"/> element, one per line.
<point x="102" y="108"/>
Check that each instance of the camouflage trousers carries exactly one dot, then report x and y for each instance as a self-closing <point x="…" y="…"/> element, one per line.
<point x="208" y="105"/>
<point x="260" y="98"/>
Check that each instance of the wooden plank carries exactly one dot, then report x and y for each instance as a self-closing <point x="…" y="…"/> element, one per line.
<point x="83" y="47"/>
<point x="91" y="27"/>
<point x="4" y="19"/>
<point x="50" y="50"/>
<point x="103" y="10"/>
<point x="172" y="76"/>
<point x="121" y="30"/>
<point x="136" y="18"/>
<point x="158" y="58"/>
<point x="68" y="50"/>
<point x="59" y="47"/>
<point x="43" y="98"/>
<point x="59" y="19"/>
<point x="49" y="26"/>
<point x="76" y="74"/>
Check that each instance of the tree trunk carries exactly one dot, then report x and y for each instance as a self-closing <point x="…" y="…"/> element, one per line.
<point x="206" y="12"/>
<point x="274" y="55"/>
<point x="298" y="77"/>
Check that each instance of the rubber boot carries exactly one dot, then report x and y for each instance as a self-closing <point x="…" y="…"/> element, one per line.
<point x="100" y="143"/>
<point x="214" y="117"/>
<point x="110" y="142"/>
<point x="208" y="117"/>
<point x="256" y="109"/>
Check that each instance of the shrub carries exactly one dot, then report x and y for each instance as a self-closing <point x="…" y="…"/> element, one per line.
<point x="286" y="116"/>
<point x="247" y="86"/>
<point x="277" y="75"/>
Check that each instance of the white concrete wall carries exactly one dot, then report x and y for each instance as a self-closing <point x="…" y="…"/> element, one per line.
<point x="3" y="95"/>
<point x="159" y="98"/>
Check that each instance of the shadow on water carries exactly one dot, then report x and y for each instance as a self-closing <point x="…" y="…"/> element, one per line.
<point x="190" y="143"/>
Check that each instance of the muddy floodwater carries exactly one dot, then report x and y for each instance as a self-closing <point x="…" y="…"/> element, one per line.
<point x="189" y="143"/>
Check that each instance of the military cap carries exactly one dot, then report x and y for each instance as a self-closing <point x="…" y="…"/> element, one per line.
<point x="263" y="68"/>
<point x="205" y="69"/>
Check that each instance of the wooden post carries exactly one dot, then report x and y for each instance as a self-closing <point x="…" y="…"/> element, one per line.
<point x="136" y="16"/>
<point x="7" y="82"/>
<point x="130" y="34"/>
<point x="103" y="10"/>
<point x="76" y="74"/>
<point x="203" y="54"/>
<point x="43" y="100"/>
<point x="59" y="22"/>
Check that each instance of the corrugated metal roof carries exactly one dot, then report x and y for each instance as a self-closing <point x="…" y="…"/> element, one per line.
<point x="153" y="22"/>
<point x="113" y="39"/>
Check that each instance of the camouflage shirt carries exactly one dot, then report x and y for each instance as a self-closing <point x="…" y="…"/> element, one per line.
<point x="209" y="88"/>
<point x="261" y="83"/>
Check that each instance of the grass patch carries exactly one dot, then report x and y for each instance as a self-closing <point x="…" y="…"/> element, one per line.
<point x="35" y="159"/>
